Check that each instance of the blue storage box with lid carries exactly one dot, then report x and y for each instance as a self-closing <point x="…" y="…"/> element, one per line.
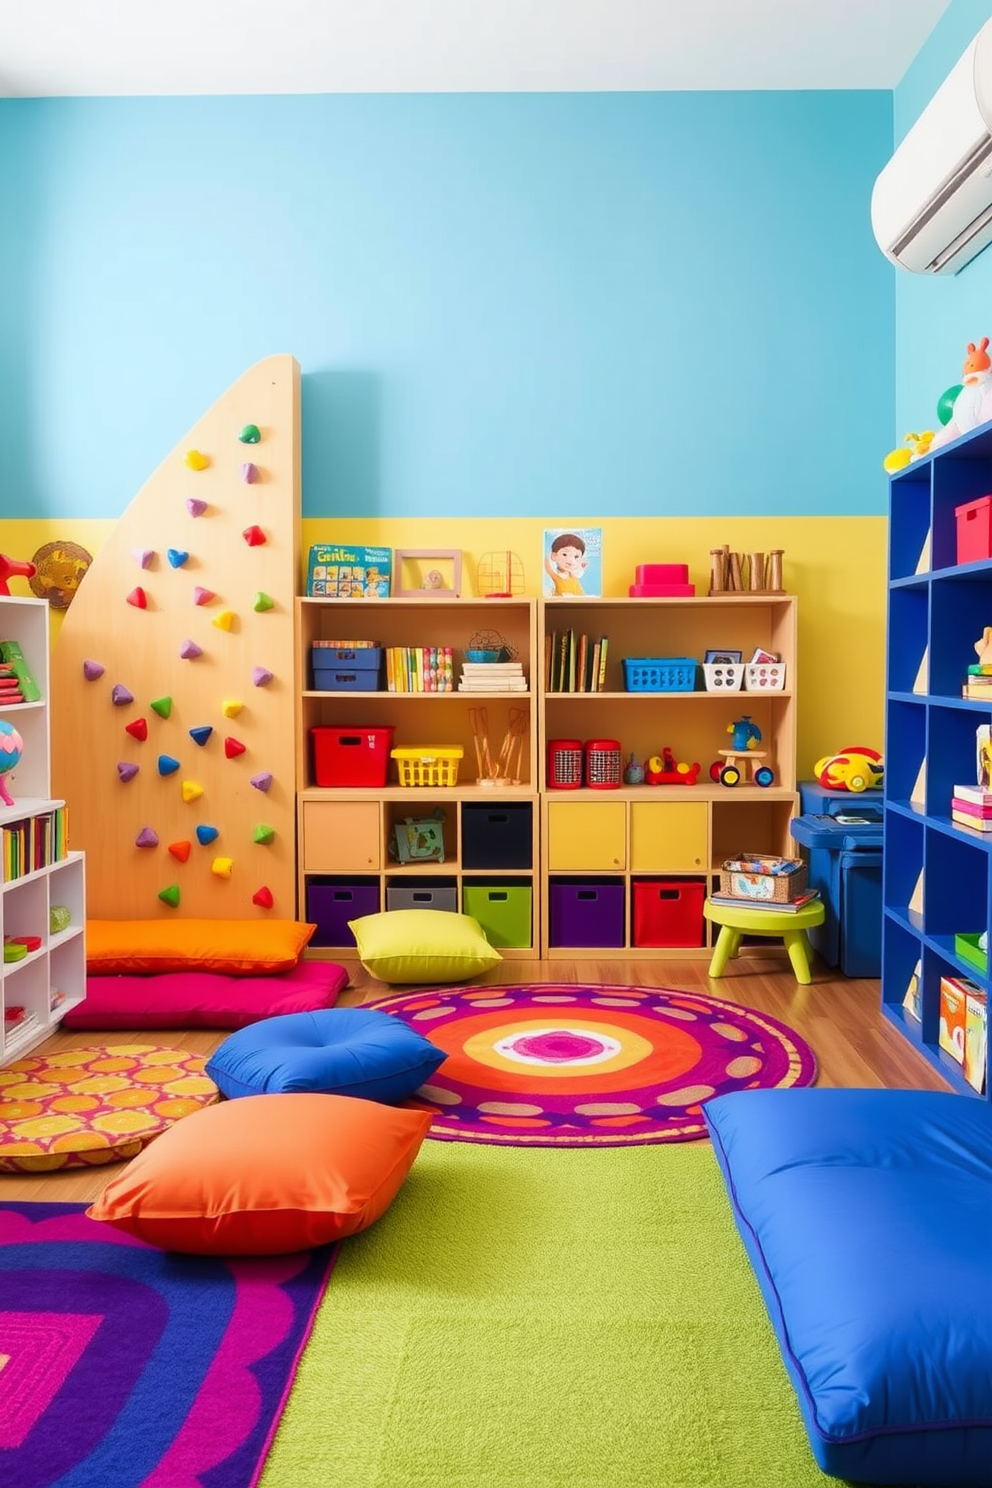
<point x="840" y="833"/>
<point x="346" y="668"/>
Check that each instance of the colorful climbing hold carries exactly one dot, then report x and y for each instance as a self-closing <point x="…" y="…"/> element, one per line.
<point x="189" y="650"/>
<point x="233" y="747"/>
<point x="224" y="620"/>
<point x="127" y="771"/>
<point x="180" y="850"/>
<point x="170" y="896"/>
<point x="201" y="733"/>
<point x="205" y="834"/>
<point x="230" y="707"/>
<point x="195" y="506"/>
<point x="249" y="473"/>
<point x="138" y="598"/>
<point x="254" y="536"/>
<point x="203" y="596"/>
<point x="262" y="602"/>
<point x="222" y="867"/>
<point x="138" y="729"/>
<point x="250" y="434"/>
<point x="92" y="670"/>
<point x="191" y="791"/>
<point x="261" y="676"/>
<point x="263" y="897"/>
<point x="263" y="834"/>
<point x="143" y="556"/>
<point x="162" y="706"/>
<point x="120" y="696"/>
<point x="147" y="837"/>
<point x="167" y="765"/>
<point x="177" y="557"/>
<point x="196" y="460"/>
<point x="262" y="781"/>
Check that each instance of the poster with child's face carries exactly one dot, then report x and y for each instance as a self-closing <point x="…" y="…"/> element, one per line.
<point x="573" y="562"/>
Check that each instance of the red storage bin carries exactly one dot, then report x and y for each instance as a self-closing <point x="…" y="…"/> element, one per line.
<point x="974" y="526"/>
<point x="668" y="912"/>
<point x="351" y="756"/>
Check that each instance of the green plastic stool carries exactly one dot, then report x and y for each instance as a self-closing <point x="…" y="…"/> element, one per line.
<point x="790" y="925"/>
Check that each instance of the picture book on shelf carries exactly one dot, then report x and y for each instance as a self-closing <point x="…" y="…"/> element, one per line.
<point x="337" y="571"/>
<point x="573" y="562"/>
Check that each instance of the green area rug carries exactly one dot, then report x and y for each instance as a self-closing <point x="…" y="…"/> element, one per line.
<point x="545" y="1318"/>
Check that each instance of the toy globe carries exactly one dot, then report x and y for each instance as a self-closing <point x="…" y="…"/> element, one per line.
<point x="11" y="751"/>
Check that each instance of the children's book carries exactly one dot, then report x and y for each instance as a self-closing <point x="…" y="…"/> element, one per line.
<point x="573" y="562"/>
<point x="336" y="571"/>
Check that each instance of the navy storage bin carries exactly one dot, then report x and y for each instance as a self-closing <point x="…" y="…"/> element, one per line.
<point x="423" y="893"/>
<point x="331" y="903"/>
<point x="346" y="669"/>
<point x="498" y="836"/>
<point x="845" y="864"/>
<point x="586" y="913"/>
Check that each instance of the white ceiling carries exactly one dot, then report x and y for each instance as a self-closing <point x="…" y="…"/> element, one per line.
<point x="127" y="47"/>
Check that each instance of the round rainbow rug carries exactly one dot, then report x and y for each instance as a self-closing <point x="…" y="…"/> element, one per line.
<point x="553" y="1064"/>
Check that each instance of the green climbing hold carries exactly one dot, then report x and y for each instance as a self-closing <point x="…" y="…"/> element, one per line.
<point x="162" y="706"/>
<point x="263" y="834"/>
<point x="262" y="602"/>
<point x="170" y="895"/>
<point x="250" y="434"/>
<point x="59" y="918"/>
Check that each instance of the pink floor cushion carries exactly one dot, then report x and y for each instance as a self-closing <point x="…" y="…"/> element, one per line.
<point x="205" y="999"/>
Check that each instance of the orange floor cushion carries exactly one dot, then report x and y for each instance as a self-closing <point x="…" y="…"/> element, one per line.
<point x="82" y="1108"/>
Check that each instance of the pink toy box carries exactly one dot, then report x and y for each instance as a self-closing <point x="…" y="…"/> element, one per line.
<point x="661" y="580"/>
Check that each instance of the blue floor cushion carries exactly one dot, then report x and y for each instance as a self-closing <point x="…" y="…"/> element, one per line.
<point x="340" y="1051"/>
<point x="867" y="1216"/>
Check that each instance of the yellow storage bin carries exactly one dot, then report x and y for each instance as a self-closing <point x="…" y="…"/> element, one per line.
<point x="428" y="766"/>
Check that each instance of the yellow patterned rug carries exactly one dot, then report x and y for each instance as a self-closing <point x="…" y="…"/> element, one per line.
<point x="85" y="1107"/>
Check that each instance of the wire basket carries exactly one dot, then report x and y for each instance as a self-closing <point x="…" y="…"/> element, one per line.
<point x="659" y="673"/>
<point x="428" y="766"/>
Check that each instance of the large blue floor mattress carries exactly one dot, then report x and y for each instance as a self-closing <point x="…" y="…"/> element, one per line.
<point x="867" y="1216"/>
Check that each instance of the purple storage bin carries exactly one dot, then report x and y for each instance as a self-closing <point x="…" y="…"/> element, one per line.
<point x="586" y="914"/>
<point x="331" y="905"/>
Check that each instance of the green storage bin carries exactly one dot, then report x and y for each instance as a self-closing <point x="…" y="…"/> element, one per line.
<point x="966" y="946"/>
<point x="503" y="911"/>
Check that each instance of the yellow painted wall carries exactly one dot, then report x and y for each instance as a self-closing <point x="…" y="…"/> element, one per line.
<point x="836" y="565"/>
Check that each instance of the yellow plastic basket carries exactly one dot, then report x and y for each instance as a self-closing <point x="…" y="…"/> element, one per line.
<point x="428" y="766"/>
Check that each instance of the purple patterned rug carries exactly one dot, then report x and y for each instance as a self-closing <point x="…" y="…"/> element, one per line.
<point x="555" y="1064"/>
<point x="123" y="1365"/>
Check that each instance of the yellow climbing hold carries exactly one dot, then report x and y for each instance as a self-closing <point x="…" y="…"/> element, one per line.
<point x="222" y="867"/>
<point x="230" y="707"/>
<point x="191" y="791"/>
<point x="196" y="460"/>
<point x="224" y="620"/>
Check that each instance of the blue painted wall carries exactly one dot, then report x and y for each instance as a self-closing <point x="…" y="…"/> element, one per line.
<point x="936" y="317"/>
<point x="561" y="305"/>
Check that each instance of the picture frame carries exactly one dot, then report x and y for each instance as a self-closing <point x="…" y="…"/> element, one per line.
<point x="419" y="573"/>
<point x="723" y="658"/>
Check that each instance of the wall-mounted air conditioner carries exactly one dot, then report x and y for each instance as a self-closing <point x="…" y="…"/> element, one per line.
<point x="931" y="208"/>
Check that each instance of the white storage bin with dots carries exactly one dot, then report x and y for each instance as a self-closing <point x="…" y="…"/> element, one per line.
<point x="765" y="676"/>
<point x="723" y="676"/>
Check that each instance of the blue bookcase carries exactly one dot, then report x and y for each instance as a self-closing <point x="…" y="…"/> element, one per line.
<point x="936" y="878"/>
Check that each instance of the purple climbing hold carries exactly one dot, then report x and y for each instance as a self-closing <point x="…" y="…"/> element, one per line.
<point x="147" y="837"/>
<point x="195" y="506"/>
<point x="127" y="771"/>
<point x="92" y="670"/>
<point x="249" y="473"/>
<point x="262" y="781"/>
<point x="261" y="676"/>
<point x="189" y="650"/>
<point x="120" y="697"/>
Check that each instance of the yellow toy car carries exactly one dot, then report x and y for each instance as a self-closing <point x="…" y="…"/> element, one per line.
<point x="853" y="769"/>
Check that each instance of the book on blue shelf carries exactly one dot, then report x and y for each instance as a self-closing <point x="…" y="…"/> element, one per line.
<point x="735" y="901"/>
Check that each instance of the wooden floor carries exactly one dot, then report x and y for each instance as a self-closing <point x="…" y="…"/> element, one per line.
<point x="839" y="1018"/>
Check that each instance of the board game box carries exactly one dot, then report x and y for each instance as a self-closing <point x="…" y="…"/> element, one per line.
<point x="338" y="571"/>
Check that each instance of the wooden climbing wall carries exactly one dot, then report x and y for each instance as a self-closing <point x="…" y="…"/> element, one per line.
<point x="172" y="677"/>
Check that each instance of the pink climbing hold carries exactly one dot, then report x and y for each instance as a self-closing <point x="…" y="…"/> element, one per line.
<point x="203" y="596"/>
<point x="249" y="473"/>
<point x="92" y="670"/>
<point x="189" y="650"/>
<point x="195" y="506"/>
<point x="261" y="676"/>
<point x="138" y="598"/>
<point x="254" y="536"/>
<point x="143" y="557"/>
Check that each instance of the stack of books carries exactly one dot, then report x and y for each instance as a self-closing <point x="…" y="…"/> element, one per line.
<point x="492" y="676"/>
<point x="978" y="683"/>
<point x="10" y="687"/>
<point x="789" y="906"/>
<point x="971" y="807"/>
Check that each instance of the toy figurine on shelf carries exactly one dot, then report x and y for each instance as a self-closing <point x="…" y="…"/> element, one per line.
<point x="856" y="768"/>
<point x="634" y="772"/>
<point x="743" y="756"/>
<point x="664" y="769"/>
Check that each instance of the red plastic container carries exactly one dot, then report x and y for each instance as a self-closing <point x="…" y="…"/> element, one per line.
<point x="351" y="756"/>
<point x="668" y="912"/>
<point x="974" y="522"/>
<point x="564" y="764"/>
<point x="604" y="764"/>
